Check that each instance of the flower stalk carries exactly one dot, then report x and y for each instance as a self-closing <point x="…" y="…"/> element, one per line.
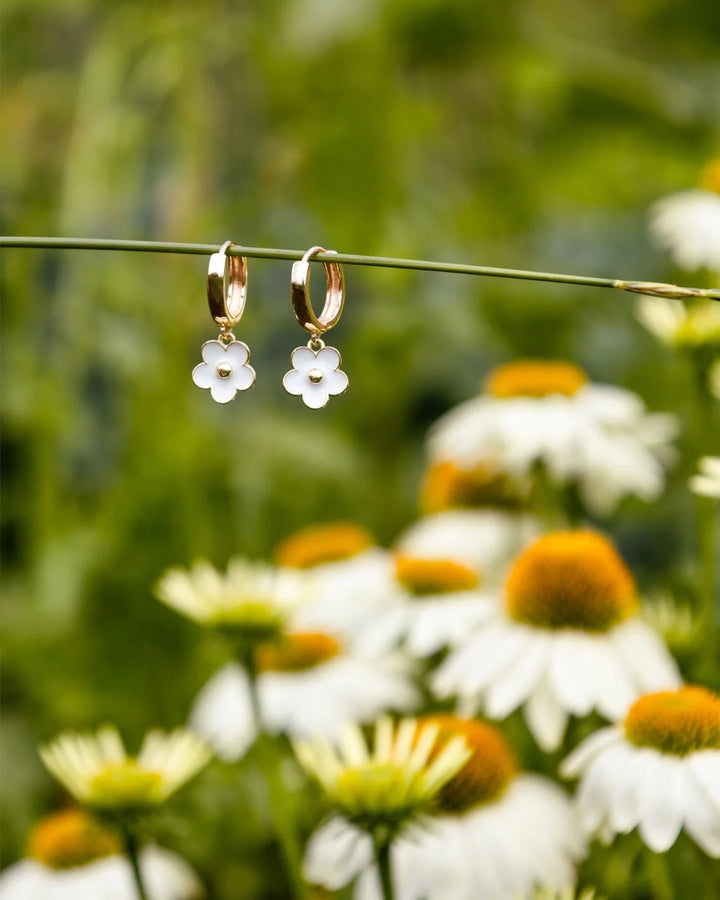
<point x="381" y="848"/>
<point x="131" y="846"/>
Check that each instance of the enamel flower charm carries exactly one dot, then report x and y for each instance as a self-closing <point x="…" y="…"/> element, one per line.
<point x="225" y="370"/>
<point x="315" y="376"/>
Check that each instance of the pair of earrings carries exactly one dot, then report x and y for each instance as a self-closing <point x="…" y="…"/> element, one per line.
<point x="315" y="374"/>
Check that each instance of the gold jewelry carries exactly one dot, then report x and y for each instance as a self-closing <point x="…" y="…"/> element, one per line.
<point x="315" y="375"/>
<point x="225" y="369"/>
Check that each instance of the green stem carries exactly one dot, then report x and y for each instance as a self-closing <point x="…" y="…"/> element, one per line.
<point x="658" y="875"/>
<point x="248" y="662"/>
<point x="707" y="529"/>
<point x="642" y="287"/>
<point x="381" y="848"/>
<point x="132" y="851"/>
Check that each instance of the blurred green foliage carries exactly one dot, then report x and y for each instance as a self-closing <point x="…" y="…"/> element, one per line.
<point x="529" y="134"/>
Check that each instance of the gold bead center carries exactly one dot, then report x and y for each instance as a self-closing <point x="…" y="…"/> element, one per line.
<point x="224" y="369"/>
<point x="315" y="376"/>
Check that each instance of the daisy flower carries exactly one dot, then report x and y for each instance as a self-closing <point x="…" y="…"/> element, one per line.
<point x="657" y="771"/>
<point x="349" y="575"/>
<point x="430" y="604"/>
<point x="679" y="324"/>
<point x="390" y="784"/>
<point x="495" y="832"/>
<point x="449" y="486"/>
<point x="707" y="482"/>
<point x="307" y="683"/>
<point x="597" y="437"/>
<point x="70" y="856"/>
<point x="687" y="223"/>
<point x="566" y="639"/>
<point x="97" y="771"/>
<point x="252" y="600"/>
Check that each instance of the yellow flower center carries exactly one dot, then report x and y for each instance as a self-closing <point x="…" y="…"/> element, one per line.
<point x="571" y="579"/>
<point x="677" y="722"/>
<point x="486" y="774"/>
<point x="323" y="544"/>
<point x="447" y="486"/>
<point x="423" y="577"/>
<point x="710" y="177"/>
<point x="296" y="652"/>
<point x="125" y="784"/>
<point x="70" y="838"/>
<point x="535" y="378"/>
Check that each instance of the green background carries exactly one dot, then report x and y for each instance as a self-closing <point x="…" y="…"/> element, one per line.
<point x="525" y="134"/>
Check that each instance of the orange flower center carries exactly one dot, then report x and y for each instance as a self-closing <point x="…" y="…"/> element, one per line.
<point x="571" y="579"/>
<point x="447" y="486"/>
<point x="486" y="774"/>
<point x="535" y="378"/>
<point x="323" y="544"/>
<point x="710" y="177"/>
<point x="296" y="652"/>
<point x="677" y="722"/>
<point x="70" y="838"/>
<point x="423" y="577"/>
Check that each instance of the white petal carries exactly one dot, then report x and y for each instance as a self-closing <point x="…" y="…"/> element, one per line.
<point x="242" y="378"/>
<point x="222" y="391"/>
<point x="204" y="376"/>
<point x="702" y="818"/>
<point x="222" y="713"/>
<point x="335" y="382"/>
<point x="315" y="396"/>
<point x="237" y="354"/>
<point x="295" y="382"/>
<point x="335" y="854"/>
<point x="327" y="360"/>
<point x="213" y="352"/>
<point x="596" y="787"/>
<point x="574" y="764"/>
<point x="705" y="766"/>
<point x="506" y="694"/>
<point x="573" y="672"/>
<point x="545" y="718"/>
<point x="665" y="806"/>
<point x="302" y="359"/>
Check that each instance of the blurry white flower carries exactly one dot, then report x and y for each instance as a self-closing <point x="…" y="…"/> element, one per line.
<point x="430" y="604"/>
<point x="688" y="223"/>
<point x="496" y="833"/>
<point x="566" y="639"/>
<point x="659" y="771"/>
<point x="254" y="598"/>
<point x="349" y="576"/>
<point x="224" y="370"/>
<point x="71" y="857"/>
<point x="707" y="482"/>
<point x="545" y="893"/>
<point x="97" y="770"/>
<point x="315" y="376"/>
<point x="487" y="540"/>
<point x="676" y="622"/>
<point x="389" y="784"/>
<point x="596" y="436"/>
<point x="308" y="683"/>
<point x="679" y="324"/>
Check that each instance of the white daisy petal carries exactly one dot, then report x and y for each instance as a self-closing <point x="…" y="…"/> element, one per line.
<point x="664" y="806"/>
<point x="204" y="376"/>
<point x="222" y="390"/>
<point x="545" y="717"/>
<point x="295" y="382"/>
<point x="212" y="353"/>
<point x="303" y="359"/>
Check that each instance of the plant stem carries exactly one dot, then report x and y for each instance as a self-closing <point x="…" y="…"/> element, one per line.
<point x="707" y="527"/>
<point x="354" y="259"/>
<point x="381" y="848"/>
<point x="132" y="847"/>
<point x="248" y="662"/>
<point x="658" y="874"/>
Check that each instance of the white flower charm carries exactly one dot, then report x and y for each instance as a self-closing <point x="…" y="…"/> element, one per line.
<point x="315" y="376"/>
<point x="225" y="369"/>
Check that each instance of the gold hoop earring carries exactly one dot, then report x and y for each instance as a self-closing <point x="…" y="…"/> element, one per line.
<point x="225" y="368"/>
<point x="316" y="375"/>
